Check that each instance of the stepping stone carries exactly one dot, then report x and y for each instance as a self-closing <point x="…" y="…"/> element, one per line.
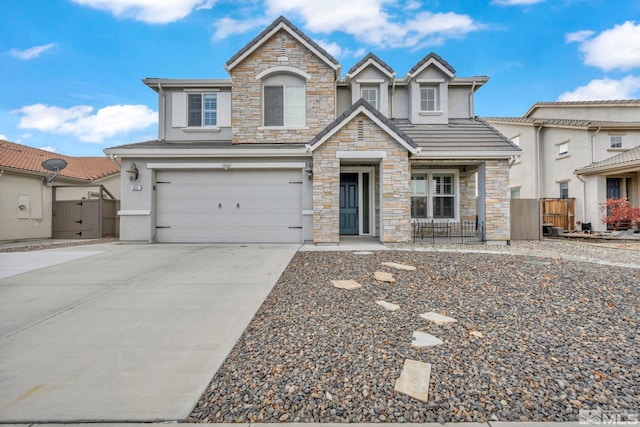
<point x="399" y="266"/>
<point x="363" y="253"/>
<point x="422" y="339"/>
<point x="383" y="276"/>
<point x="388" y="305"/>
<point x="346" y="284"/>
<point x="437" y="318"/>
<point x="414" y="380"/>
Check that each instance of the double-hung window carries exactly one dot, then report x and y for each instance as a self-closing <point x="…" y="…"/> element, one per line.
<point x="429" y="101"/>
<point x="284" y="105"/>
<point x="433" y="195"/>
<point x="203" y="109"/>
<point x="616" y="141"/>
<point x="370" y="94"/>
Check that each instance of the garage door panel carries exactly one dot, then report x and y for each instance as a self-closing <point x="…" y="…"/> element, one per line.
<point x="229" y="206"/>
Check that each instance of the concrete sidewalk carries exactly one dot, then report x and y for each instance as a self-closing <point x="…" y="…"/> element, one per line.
<point x="133" y="333"/>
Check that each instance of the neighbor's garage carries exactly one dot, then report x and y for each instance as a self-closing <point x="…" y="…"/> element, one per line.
<point x="249" y="206"/>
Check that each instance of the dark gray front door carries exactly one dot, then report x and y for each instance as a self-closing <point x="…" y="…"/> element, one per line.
<point x="349" y="203"/>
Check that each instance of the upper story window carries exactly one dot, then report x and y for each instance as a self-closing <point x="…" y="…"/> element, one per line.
<point x="429" y="100"/>
<point x="371" y="95"/>
<point x="203" y="109"/>
<point x="563" y="149"/>
<point x="616" y="141"/>
<point x="284" y="100"/>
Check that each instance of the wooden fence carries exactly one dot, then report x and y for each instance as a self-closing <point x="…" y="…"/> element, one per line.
<point x="559" y="213"/>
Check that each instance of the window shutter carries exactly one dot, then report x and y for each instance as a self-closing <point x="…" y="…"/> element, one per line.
<point x="224" y="109"/>
<point x="294" y="101"/>
<point x="179" y="109"/>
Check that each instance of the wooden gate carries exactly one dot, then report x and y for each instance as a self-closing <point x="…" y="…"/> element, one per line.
<point x="559" y="213"/>
<point x="86" y="218"/>
<point x="525" y="219"/>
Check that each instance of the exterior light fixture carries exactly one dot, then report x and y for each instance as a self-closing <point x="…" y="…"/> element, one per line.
<point x="133" y="172"/>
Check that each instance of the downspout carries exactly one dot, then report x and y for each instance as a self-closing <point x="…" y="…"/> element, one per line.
<point x="593" y="145"/>
<point x="471" y="103"/>
<point x="538" y="160"/>
<point x="393" y="95"/>
<point x="163" y="127"/>
<point x="584" y="198"/>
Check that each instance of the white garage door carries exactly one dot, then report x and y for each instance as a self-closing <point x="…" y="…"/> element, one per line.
<point x="229" y="206"/>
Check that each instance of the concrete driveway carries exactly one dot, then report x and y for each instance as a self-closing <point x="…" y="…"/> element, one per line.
<point x="124" y="332"/>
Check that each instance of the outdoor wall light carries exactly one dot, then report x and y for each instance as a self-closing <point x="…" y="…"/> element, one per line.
<point x="133" y="172"/>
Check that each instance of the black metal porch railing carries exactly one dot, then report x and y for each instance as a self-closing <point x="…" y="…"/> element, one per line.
<point x="448" y="232"/>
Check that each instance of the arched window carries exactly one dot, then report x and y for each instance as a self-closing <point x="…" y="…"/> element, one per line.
<point x="284" y="100"/>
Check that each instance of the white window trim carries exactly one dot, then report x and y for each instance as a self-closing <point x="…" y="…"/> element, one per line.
<point x="377" y="92"/>
<point x="438" y="101"/>
<point x="285" y="126"/>
<point x="202" y="127"/>
<point x="431" y="192"/>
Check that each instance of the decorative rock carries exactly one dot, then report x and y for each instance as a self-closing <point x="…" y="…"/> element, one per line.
<point x="437" y="318"/>
<point x="346" y="284"/>
<point x="422" y="339"/>
<point x="383" y="276"/>
<point x="399" y="266"/>
<point x="414" y="380"/>
<point x="388" y="305"/>
<point x="477" y="334"/>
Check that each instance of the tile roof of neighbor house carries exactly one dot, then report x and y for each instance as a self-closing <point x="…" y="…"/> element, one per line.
<point x="23" y="158"/>
<point x="274" y="24"/>
<point x="362" y="103"/>
<point x="562" y="122"/>
<point x="373" y="57"/>
<point x="606" y="102"/>
<point x="435" y="56"/>
<point x="629" y="158"/>
<point x="458" y="137"/>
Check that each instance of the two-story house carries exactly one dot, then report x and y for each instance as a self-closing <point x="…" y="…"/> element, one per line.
<point x="288" y="150"/>
<point x="587" y="150"/>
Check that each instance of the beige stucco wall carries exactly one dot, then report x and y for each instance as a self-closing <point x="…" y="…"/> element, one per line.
<point x="395" y="203"/>
<point x="34" y="222"/>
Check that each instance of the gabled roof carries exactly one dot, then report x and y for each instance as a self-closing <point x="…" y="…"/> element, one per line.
<point x="628" y="159"/>
<point x="600" y="103"/>
<point x="19" y="157"/>
<point x="362" y="106"/>
<point x="371" y="59"/>
<point x="432" y="58"/>
<point x="281" y="23"/>
<point x="460" y="138"/>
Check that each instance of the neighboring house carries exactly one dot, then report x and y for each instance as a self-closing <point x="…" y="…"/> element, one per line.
<point x="582" y="149"/>
<point x="26" y="199"/>
<point x="287" y="150"/>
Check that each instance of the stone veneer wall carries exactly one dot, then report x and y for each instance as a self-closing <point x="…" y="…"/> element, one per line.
<point x="246" y="97"/>
<point x="468" y="201"/>
<point x="395" y="203"/>
<point x="498" y="204"/>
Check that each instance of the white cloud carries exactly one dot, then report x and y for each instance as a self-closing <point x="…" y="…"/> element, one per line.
<point x="615" y="48"/>
<point x="516" y="2"/>
<point x="149" y="11"/>
<point x="80" y="122"/>
<point x="32" y="52"/>
<point x="3" y="137"/>
<point x="374" y="22"/>
<point x="49" y="149"/>
<point x="578" y="36"/>
<point x="338" y="51"/>
<point x="601" y="89"/>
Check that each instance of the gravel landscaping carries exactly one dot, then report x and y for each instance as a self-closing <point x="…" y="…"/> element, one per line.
<point x="537" y="339"/>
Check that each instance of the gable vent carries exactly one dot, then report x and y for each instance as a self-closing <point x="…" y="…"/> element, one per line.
<point x="283" y="46"/>
<point x="360" y="131"/>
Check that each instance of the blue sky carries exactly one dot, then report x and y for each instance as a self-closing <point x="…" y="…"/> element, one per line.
<point x="71" y="70"/>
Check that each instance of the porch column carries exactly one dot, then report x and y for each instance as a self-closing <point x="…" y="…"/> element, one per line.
<point x="482" y="194"/>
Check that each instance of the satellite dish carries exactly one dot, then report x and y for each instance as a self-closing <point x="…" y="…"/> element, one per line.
<point x="54" y="165"/>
